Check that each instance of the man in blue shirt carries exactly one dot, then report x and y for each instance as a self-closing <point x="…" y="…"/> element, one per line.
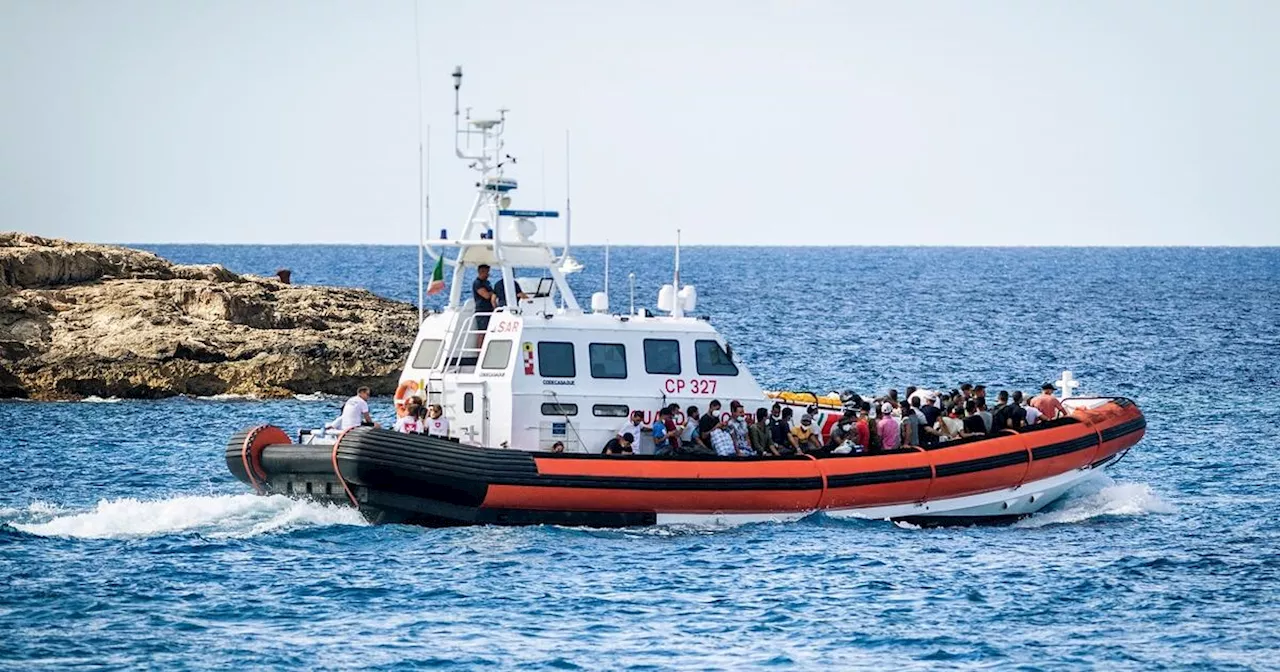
<point x="662" y="444"/>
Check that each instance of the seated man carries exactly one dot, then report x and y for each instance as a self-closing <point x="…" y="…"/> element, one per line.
<point x="758" y="434"/>
<point x="619" y="445"/>
<point x="842" y="431"/>
<point x="780" y="430"/>
<point x="412" y="423"/>
<point x="804" y="438"/>
<point x="721" y="442"/>
<point x="736" y="425"/>
<point x="701" y="444"/>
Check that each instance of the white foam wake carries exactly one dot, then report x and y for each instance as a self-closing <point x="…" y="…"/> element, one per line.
<point x="317" y="396"/>
<point x="95" y="399"/>
<point x="1112" y="499"/>
<point x="223" y="516"/>
<point x="227" y="396"/>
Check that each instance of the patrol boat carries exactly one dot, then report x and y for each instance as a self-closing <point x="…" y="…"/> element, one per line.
<point x="544" y="370"/>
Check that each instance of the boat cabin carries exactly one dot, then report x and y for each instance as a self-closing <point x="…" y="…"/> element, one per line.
<point x="542" y="369"/>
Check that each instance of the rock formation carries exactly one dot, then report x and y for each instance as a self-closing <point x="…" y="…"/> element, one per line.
<point x="81" y="319"/>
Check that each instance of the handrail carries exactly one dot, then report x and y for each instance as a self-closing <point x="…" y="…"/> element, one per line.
<point x="568" y="421"/>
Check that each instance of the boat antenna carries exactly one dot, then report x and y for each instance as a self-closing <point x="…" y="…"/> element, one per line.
<point x="422" y="197"/>
<point x="606" y="269"/>
<point x="568" y="207"/>
<point x="457" y="123"/>
<point x="631" y="278"/>
<point x="678" y="308"/>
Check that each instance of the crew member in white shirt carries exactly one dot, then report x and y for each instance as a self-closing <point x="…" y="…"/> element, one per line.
<point x="356" y="412"/>
<point x="437" y="424"/>
<point x="412" y="422"/>
<point x="633" y="425"/>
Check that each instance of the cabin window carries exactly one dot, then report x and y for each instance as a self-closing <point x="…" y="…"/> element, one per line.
<point x="555" y="360"/>
<point x="662" y="356"/>
<point x="608" y="360"/>
<point x="559" y="409"/>
<point x="425" y="358"/>
<point x="468" y="402"/>
<point x="497" y="355"/>
<point x="713" y="360"/>
<point x="610" y="410"/>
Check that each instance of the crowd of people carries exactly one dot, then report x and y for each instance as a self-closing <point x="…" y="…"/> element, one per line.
<point x="919" y="418"/>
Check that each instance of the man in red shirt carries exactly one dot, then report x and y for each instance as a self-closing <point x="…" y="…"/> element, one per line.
<point x="1047" y="404"/>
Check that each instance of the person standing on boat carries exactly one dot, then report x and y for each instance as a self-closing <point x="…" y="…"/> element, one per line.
<point x="689" y="431"/>
<point x="887" y="428"/>
<point x="1047" y="404"/>
<point x="1032" y="414"/>
<point x="356" y="412"/>
<point x="500" y="292"/>
<point x="662" y="435"/>
<point x="983" y="413"/>
<point x="437" y="425"/>
<point x="633" y="426"/>
<point x="974" y="424"/>
<point x="911" y="425"/>
<point x="482" y="295"/>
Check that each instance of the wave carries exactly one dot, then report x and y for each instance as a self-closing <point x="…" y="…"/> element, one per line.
<point x="317" y="396"/>
<point x="95" y="399"/>
<point x="229" y="397"/>
<point x="1110" y="499"/>
<point x="225" y="516"/>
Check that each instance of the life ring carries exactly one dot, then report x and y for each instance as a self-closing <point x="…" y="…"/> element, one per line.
<point x="403" y="392"/>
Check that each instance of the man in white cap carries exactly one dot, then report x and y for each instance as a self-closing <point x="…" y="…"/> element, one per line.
<point x="887" y="427"/>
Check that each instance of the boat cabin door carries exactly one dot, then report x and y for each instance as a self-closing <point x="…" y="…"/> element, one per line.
<point x="471" y="423"/>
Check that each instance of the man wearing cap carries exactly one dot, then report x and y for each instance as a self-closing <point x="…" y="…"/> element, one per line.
<point x="887" y="428"/>
<point x="1047" y="404"/>
<point x="803" y="437"/>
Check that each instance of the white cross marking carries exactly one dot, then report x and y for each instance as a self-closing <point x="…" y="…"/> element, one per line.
<point x="1066" y="384"/>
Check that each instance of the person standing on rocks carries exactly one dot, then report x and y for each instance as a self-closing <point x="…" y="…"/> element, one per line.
<point x="356" y="411"/>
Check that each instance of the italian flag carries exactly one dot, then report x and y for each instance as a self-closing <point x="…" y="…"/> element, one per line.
<point x="437" y="277"/>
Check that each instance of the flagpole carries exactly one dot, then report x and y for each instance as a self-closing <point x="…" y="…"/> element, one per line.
<point x="423" y="205"/>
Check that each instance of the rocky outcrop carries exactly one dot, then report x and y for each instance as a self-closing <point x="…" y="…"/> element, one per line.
<point x="80" y="319"/>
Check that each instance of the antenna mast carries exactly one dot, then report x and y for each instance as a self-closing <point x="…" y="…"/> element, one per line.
<point x="423" y="207"/>
<point x="678" y="308"/>
<point x="568" y="208"/>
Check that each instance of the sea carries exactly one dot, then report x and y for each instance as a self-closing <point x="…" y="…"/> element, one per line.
<point x="125" y="543"/>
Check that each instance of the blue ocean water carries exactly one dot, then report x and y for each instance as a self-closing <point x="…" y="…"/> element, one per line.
<point x="124" y="542"/>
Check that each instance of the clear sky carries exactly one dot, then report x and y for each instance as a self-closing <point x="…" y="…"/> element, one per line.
<point x="844" y="122"/>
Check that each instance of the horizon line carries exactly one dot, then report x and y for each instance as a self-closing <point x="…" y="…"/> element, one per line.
<point x="1243" y="246"/>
